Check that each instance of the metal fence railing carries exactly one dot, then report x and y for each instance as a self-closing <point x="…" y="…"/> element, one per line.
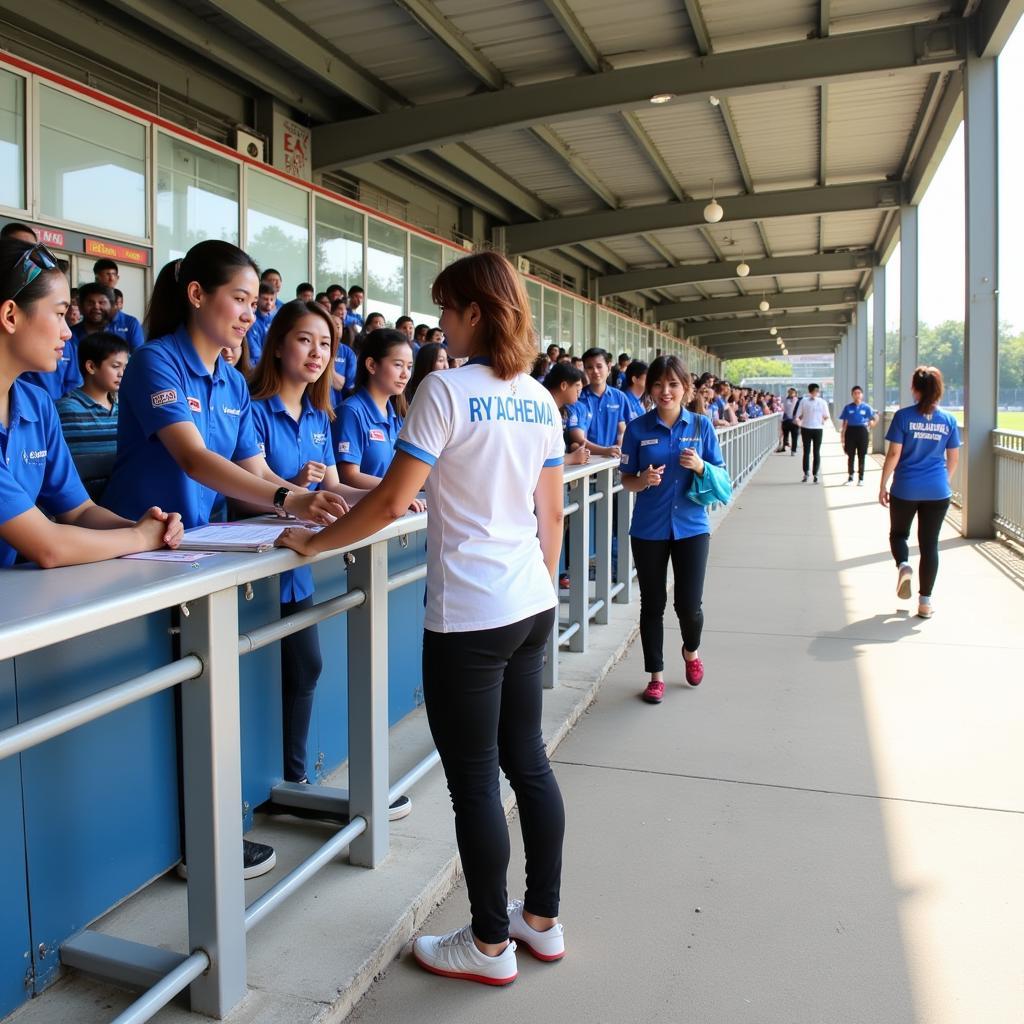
<point x="1009" y="504"/>
<point x="37" y="610"/>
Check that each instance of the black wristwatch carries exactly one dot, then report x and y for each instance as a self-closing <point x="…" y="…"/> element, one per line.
<point x="279" y="496"/>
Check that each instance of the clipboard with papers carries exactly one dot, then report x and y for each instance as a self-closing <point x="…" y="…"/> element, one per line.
<point x="256" y="535"/>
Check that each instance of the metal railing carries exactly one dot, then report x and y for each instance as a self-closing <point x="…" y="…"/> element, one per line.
<point x="956" y="480"/>
<point x="1009" y="514"/>
<point x="746" y="445"/>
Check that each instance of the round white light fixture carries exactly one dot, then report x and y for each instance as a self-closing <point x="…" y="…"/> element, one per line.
<point x="742" y="268"/>
<point x="662" y="97"/>
<point x="763" y="306"/>
<point x="785" y="351"/>
<point x="774" y="331"/>
<point x="714" y="101"/>
<point x="713" y="212"/>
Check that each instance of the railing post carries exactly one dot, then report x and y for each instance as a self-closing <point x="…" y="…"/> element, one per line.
<point x="212" y="785"/>
<point x="603" y="545"/>
<point x="367" y="627"/>
<point x="579" y="567"/>
<point x="624" y="558"/>
<point x="550" y="674"/>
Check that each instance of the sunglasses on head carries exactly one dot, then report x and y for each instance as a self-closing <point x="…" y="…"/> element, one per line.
<point x="27" y="268"/>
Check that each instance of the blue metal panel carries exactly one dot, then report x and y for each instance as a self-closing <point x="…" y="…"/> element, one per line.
<point x="15" y="940"/>
<point x="100" y="802"/>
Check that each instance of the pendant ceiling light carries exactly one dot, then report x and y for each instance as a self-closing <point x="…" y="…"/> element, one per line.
<point x="763" y="305"/>
<point x="774" y="331"/>
<point x="713" y="212"/>
<point x="742" y="268"/>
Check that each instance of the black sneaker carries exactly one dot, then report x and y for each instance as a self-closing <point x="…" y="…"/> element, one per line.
<point x="815" y="480"/>
<point x="257" y="859"/>
<point x="804" y="479"/>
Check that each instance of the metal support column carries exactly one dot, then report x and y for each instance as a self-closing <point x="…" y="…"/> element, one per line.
<point x="878" y="364"/>
<point x="212" y="787"/>
<point x="603" y="547"/>
<point x="908" y="300"/>
<point x="368" y="704"/>
<point x="981" y="337"/>
<point x="624" y="559"/>
<point x="579" y="564"/>
<point x="860" y="362"/>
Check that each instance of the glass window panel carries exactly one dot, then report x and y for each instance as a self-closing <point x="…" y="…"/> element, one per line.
<point x="549" y="336"/>
<point x="92" y="165"/>
<point x="565" y="337"/>
<point x="196" y="198"/>
<point x="339" y="245"/>
<point x="533" y="291"/>
<point x="385" y="271"/>
<point x="277" y="229"/>
<point x="602" y="328"/>
<point x="450" y="255"/>
<point x="423" y="268"/>
<point x="580" y="324"/>
<point x="12" y="140"/>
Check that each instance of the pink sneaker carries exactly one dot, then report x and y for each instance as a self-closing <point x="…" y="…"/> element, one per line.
<point x="694" y="671"/>
<point x="654" y="693"/>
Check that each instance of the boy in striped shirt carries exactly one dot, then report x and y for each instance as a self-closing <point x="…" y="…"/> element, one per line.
<point x="88" y="414"/>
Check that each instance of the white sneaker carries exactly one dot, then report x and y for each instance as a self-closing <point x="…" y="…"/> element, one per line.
<point x="848" y="482"/>
<point x="547" y="945"/>
<point x="455" y="955"/>
<point x="903" y="582"/>
<point x="860" y="482"/>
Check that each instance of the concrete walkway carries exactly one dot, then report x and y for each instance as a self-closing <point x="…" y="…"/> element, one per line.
<point x="830" y="830"/>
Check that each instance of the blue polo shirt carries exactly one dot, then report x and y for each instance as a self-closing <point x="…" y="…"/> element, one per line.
<point x="353" y="319"/>
<point x="165" y="383"/>
<point x="632" y="407"/>
<point x="716" y="410"/>
<point x="66" y="377"/>
<point x="121" y="324"/>
<point x="606" y="413"/>
<point x="256" y="334"/>
<point x="288" y="445"/>
<point x="345" y="364"/>
<point x="857" y="415"/>
<point x="577" y="417"/>
<point x="363" y="435"/>
<point x="754" y="410"/>
<point x="35" y="464"/>
<point x="665" y="512"/>
<point x="920" y="474"/>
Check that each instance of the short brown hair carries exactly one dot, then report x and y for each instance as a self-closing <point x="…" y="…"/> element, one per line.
<point x="266" y="377"/>
<point x="662" y="367"/>
<point x="489" y="280"/>
<point x="927" y="382"/>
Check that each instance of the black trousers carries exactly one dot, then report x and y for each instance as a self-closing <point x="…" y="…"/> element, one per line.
<point x="301" y="665"/>
<point x="790" y="434"/>
<point x="855" y="443"/>
<point x="483" y="691"/>
<point x="689" y="563"/>
<point x="811" y="438"/>
<point x="930" y="515"/>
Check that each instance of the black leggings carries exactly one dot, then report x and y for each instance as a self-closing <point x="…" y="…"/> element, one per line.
<point x="811" y="437"/>
<point x="689" y="562"/>
<point x="855" y="442"/>
<point x="483" y="692"/>
<point x="790" y="434"/>
<point x="930" y="515"/>
<point x="300" y="669"/>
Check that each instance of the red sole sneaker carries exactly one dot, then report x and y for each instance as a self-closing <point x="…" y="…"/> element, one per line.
<point x="548" y="958"/>
<point x="459" y="976"/>
<point x="694" y="671"/>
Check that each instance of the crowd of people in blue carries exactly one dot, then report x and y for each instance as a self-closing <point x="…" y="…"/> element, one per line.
<point x="229" y="401"/>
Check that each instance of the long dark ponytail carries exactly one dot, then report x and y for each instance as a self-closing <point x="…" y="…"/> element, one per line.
<point x="211" y="264"/>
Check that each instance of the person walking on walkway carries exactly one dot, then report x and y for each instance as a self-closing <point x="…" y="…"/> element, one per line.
<point x="856" y="419"/>
<point x="924" y="448"/>
<point x="671" y="460"/>
<point x="811" y="417"/>
<point x="487" y="443"/>
<point x="790" y="431"/>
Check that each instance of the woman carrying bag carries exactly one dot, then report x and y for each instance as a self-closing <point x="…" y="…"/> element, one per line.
<point x="672" y="461"/>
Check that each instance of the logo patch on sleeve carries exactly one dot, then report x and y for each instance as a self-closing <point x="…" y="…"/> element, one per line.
<point x="624" y="459"/>
<point x="343" y="447"/>
<point x="193" y="404"/>
<point x="377" y="435"/>
<point x="159" y="398"/>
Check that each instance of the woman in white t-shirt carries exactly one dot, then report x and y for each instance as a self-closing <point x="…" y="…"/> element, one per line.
<point x="486" y="443"/>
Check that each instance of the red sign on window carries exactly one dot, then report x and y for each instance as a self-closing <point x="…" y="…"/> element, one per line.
<point x="51" y="236"/>
<point x="119" y="253"/>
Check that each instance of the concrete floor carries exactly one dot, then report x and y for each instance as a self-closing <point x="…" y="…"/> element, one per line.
<point x="830" y="830"/>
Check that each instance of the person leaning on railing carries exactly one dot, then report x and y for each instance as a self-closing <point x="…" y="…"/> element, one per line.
<point x="35" y="463"/>
<point x="672" y="461"/>
<point x="486" y="441"/>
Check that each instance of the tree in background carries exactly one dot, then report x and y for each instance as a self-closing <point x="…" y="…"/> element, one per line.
<point x="943" y="346"/>
<point x="740" y="369"/>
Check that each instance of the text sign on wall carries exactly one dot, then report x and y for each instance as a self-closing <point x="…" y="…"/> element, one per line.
<point x="118" y="253"/>
<point x="292" y="148"/>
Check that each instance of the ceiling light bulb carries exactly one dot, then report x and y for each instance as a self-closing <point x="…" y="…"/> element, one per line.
<point x="785" y="351"/>
<point x="763" y="306"/>
<point x="662" y="97"/>
<point x="742" y="269"/>
<point x="774" y="331"/>
<point x="713" y="212"/>
<point x="714" y="101"/>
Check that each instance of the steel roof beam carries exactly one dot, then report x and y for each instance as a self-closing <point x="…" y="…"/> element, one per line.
<point x="749" y="303"/>
<point x="947" y="119"/>
<point x="638" y="220"/>
<point x="996" y="21"/>
<point x="803" y="345"/>
<point x="668" y="277"/>
<point x="924" y="47"/>
<point x="794" y="335"/>
<point x="763" y="322"/>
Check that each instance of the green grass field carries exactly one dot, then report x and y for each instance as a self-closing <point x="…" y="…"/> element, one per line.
<point x="1007" y="420"/>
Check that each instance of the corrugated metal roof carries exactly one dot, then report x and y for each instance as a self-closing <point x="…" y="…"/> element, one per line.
<point x="792" y="236"/>
<point x="853" y="230"/>
<point x="859" y="15"/>
<point x="869" y="123"/>
<point x="688" y="245"/>
<point x="740" y="24"/>
<point x="779" y="134"/>
<point x="642" y="26"/>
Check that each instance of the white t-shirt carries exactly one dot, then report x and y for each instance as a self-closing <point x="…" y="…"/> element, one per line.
<point x="813" y="412"/>
<point x="487" y="441"/>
